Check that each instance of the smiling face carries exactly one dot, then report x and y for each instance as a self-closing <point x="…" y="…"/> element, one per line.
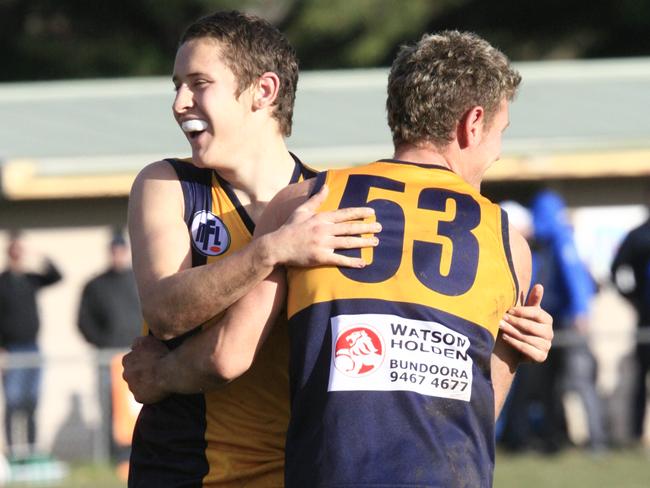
<point x="215" y="121"/>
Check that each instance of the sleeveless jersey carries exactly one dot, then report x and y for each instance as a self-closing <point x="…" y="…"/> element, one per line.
<point x="390" y="364"/>
<point x="235" y="435"/>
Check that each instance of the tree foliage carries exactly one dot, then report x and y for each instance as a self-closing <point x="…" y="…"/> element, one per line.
<point x="49" y="39"/>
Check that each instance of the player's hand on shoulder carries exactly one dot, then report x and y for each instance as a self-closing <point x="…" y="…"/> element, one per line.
<point x="529" y="328"/>
<point x="309" y="238"/>
<point x="140" y="367"/>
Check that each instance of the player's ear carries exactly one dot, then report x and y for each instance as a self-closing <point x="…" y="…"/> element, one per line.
<point x="470" y="127"/>
<point x="266" y="90"/>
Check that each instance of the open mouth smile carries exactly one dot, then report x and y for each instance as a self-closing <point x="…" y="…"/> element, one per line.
<point x="194" y="127"/>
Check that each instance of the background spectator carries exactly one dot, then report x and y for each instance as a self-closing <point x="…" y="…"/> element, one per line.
<point x="19" y="326"/>
<point x="109" y="312"/>
<point x="631" y="275"/>
<point x="535" y="411"/>
<point x="109" y="318"/>
<point x="568" y="292"/>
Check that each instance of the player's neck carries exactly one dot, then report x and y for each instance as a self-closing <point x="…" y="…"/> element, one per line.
<point x="450" y="157"/>
<point x="422" y="154"/>
<point x="261" y="172"/>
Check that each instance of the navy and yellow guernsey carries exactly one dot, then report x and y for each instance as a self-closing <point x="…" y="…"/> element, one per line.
<point x="390" y="364"/>
<point x="233" y="436"/>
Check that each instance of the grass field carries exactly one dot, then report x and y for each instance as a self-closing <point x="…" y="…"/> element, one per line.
<point x="574" y="469"/>
<point x="571" y="469"/>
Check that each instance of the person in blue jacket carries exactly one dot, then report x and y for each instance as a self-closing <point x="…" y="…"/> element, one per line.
<point x="569" y="290"/>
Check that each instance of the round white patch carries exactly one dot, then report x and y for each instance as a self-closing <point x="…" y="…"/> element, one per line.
<point x="210" y="235"/>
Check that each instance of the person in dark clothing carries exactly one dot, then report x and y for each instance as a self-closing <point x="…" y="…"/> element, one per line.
<point x="109" y="312"/>
<point x="631" y="276"/>
<point x="19" y="326"/>
<point x="569" y="291"/>
<point x="110" y="318"/>
<point x="535" y="409"/>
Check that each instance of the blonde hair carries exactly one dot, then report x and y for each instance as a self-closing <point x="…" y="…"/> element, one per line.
<point x="433" y="83"/>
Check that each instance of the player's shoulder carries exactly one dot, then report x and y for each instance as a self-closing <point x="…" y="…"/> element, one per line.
<point x="157" y="170"/>
<point x="156" y="174"/>
<point x="518" y="242"/>
<point x="156" y="185"/>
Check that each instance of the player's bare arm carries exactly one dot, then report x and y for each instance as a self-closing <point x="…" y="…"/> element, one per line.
<point x="506" y="358"/>
<point x="175" y="297"/>
<point x="218" y="354"/>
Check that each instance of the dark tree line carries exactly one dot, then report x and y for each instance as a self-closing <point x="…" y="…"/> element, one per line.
<point x="53" y="39"/>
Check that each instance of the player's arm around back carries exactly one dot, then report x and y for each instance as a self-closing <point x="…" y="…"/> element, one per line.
<point x="174" y="296"/>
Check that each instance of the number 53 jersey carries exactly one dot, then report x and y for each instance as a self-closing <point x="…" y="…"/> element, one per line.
<point x="390" y="364"/>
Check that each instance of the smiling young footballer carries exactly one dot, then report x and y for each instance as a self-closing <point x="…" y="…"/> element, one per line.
<point x="191" y="222"/>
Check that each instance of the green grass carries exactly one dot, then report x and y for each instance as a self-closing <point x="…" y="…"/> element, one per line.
<point x="574" y="469"/>
<point x="570" y="469"/>
<point x="93" y="476"/>
<point x="86" y="476"/>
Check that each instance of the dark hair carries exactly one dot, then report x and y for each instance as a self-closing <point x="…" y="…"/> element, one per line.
<point x="251" y="46"/>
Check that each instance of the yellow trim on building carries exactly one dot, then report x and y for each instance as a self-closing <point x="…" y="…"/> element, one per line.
<point x="21" y="179"/>
<point x="572" y="166"/>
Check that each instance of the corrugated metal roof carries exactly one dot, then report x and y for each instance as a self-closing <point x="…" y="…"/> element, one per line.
<point x="117" y="126"/>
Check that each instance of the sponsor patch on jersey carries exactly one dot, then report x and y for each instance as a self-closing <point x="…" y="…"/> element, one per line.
<point x="381" y="352"/>
<point x="210" y="235"/>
